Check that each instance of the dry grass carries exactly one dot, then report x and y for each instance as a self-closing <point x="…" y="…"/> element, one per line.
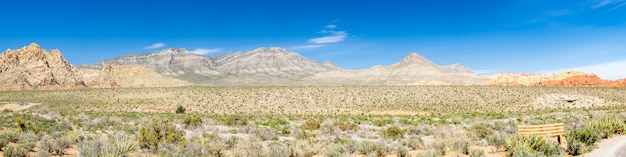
<point x="325" y="100"/>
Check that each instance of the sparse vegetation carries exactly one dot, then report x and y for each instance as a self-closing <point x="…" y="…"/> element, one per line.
<point x="302" y="121"/>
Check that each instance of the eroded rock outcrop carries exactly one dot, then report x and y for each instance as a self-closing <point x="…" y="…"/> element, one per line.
<point x="32" y="67"/>
<point x="563" y="79"/>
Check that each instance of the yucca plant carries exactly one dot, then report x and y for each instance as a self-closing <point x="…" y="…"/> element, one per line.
<point x="118" y="148"/>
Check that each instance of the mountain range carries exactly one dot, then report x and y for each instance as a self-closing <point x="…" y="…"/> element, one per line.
<point x="32" y="67"/>
<point x="277" y="66"/>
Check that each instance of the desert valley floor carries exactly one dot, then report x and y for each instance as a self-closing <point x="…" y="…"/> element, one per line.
<point x="377" y="120"/>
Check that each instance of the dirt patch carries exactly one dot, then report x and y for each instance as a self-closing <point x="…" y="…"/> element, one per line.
<point x="10" y="107"/>
<point x="16" y="106"/>
<point x="567" y="101"/>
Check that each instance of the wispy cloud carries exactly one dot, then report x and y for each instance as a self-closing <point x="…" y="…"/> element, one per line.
<point x="154" y="46"/>
<point x="308" y="47"/>
<point x="334" y="37"/>
<point x="484" y="72"/>
<point x="607" y="3"/>
<point x="611" y="70"/>
<point x="202" y="51"/>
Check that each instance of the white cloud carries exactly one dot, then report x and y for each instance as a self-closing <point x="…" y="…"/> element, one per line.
<point x="202" y="51"/>
<point x="333" y="37"/>
<point x="308" y="46"/>
<point x="154" y="46"/>
<point x="611" y="71"/>
<point x="331" y="26"/>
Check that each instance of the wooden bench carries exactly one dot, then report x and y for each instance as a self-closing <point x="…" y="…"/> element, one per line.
<point x="546" y="130"/>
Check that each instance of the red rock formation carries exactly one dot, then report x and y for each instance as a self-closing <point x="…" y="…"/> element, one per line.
<point x="564" y="79"/>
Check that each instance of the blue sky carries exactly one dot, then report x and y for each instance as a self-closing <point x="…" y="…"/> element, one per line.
<point x="488" y="36"/>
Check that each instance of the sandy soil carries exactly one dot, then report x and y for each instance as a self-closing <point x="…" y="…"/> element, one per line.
<point x="16" y="107"/>
<point x="613" y="147"/>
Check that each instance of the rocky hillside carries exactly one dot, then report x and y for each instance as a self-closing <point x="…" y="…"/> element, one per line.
<point x="260" y="66"/>
<point x="277" y="66"/>
<point x="563" y="79"/>
<point x="32" y="67"/>
<point x="178" y="63"/>
<point x="269" y="65"/>
<point x="412" y="70"/>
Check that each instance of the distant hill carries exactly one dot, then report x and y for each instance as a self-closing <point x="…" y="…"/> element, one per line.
<point x="32" y="67"/>
<point x="276" y="66"/>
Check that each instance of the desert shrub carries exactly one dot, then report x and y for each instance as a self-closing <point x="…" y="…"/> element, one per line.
<point x="402" y="151"/>
<point x="440" y="147"/>
<point x="215" y="148"/>
<point x="28" y="140"/>
<point x="15" y="151"/>
<point x="607" y="125"/>
<point x="311" y="125"/>
<point x="378" y="148"/>
<point x="90" y="148"/>
<point x="180" y="109"/>
<point x="496" y="140"/>
<point x="192" y="121"/>
<point x="46" y="143"/>
<point x="430" y="153"/>
<point x="393" y="132"/>
<point x="383" y="122"/>
<point x="586" y="135"/>
<point x="60" y="145"/>
<point x="461" y="145"/>
<point x="235" y="120"/>
<point x="345" y="126"/>
<point x="158" y="131"/>
<point x="575" y="147"/>
<point x="43" y="154"/>
<point x="279" y="150"/>
<point x="336" y="150"/>
<point x="415" y="143"/>
<point x="7" y="136"/>
<point x="477" y="153"/>
<point x="481" y="130"/>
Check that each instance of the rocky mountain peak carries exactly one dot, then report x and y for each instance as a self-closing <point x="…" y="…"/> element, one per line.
<point x="415" y="58"/>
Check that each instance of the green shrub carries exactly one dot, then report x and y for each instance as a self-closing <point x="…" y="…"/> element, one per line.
<point x="180" y="109"/>
<point x="235" y="120"/>
<point x="192" y="121"/>
<point x="311" y="125"/>
<point x="587" y="135"/>
<point x="158" y="131"/>
<point x="383" y="122"/>
<point x="393" y="132"/>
